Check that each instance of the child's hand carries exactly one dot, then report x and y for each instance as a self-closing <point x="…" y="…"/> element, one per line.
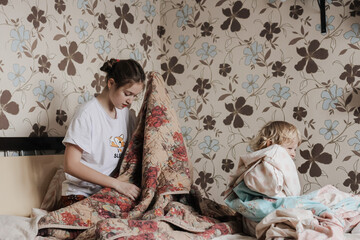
<point x="128" y="189"/>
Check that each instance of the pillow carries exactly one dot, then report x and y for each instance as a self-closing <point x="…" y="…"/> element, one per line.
<point x="52" y="197"/>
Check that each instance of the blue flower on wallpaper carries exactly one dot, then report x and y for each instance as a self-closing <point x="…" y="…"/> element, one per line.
<point x="251" y="84"/>
<point x="183" y="15"/>
<point x="182" y="44"/>
<point x="331" y="97"/>
<point x="44" y="91"/>
<point x="81" y="29"/>
<point x="278" y="92"/>
<point x="355" y="141"/>
<point x="209" y="145"/>
<point x="136" y="55"/>
<point x="206" y="51"/>
<point x="354" y="34"/>
<point x="149" y="9"/>
<point x="102" y="45"/>
<point x="82" y="4"/>
<point x="329" y="131"/>
<point x="329" y="27"/>
<point x="20" y="36"/>
<point x="186" y="133"/>
<point x="252" y="53"/>
<point x="185" y="106"/>
<point x="16" y="76"/>
<point x="83" y="98"/>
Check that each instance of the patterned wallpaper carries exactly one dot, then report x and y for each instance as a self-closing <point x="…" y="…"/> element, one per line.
<point x="230" y="66"/>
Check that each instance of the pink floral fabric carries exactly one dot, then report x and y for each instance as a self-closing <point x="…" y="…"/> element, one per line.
<point x="156" y="160"/>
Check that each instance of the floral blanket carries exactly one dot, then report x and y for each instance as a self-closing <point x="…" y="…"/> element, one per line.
<point x="169" y="206"/>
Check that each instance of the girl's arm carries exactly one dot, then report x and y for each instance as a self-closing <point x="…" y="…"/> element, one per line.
<point x="74" y="167"/>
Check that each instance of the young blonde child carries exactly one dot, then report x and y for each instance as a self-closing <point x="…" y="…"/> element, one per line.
<point x="268" y="172"/>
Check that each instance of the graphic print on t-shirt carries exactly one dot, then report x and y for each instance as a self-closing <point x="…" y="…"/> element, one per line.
<point x="117" y="142"/>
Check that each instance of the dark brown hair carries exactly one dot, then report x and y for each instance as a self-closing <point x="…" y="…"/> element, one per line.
<point x="123" y="71"/>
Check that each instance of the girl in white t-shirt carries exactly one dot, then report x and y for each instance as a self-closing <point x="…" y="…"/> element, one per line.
<point x="98" y="132"/>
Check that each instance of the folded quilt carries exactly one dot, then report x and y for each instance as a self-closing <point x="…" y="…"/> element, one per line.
<point x="169" y="205"/>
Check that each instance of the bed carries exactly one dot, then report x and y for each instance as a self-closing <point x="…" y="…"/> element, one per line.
<point x="169" y="208"/>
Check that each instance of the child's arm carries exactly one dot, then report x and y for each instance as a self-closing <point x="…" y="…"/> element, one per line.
<point x="74" y="167"/>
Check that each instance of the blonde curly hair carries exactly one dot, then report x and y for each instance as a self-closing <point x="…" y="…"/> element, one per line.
<point x="275" y="132"/>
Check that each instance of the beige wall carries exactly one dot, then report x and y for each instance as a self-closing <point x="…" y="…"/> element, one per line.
<point x="270" y="62"/>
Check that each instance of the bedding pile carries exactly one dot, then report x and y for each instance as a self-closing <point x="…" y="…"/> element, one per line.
<point x="265" y="192"/>
<point x="170" y="207"/>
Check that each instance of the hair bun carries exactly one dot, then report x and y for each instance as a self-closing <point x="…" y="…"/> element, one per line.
<point x="108" y="65"/>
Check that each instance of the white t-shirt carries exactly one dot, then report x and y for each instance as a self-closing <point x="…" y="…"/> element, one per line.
<point x="102" y="140"/>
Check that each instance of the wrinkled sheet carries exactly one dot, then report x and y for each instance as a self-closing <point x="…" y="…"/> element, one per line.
<point x="327" y="213"/>
<point x="170" y="207"/>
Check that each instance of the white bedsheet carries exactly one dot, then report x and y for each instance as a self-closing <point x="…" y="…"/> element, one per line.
<point x="16" y="227"/>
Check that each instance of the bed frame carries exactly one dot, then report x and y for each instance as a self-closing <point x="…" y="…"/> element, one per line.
<point x="31" y="143"/>
<point x="24" y="180"/>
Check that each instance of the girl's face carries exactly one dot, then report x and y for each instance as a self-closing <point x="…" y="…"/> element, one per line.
<point x="122" y="97"/>
<point x="291" y="147"/>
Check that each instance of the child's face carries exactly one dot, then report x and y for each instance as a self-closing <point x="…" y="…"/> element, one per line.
<point x="291" y="148"/>
<point x="123" y="97"/>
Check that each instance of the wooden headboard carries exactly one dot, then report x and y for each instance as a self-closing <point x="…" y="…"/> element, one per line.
<point x="24" y="180"/>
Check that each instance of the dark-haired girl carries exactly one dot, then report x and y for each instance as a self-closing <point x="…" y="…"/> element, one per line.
<point x="98" y="132"/>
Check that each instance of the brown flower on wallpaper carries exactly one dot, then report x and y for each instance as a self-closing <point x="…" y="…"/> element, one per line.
<point x="316" y="156"/>
<point x="169" y="69"/>
<point x="278" y="69"/>
<point x="225" y="69"/>
<point x="206" y="29"/>
<point x="204" y="179"/>
<point x="59" y="6"/>
<point x="160" y="31"/>
<point x="61" y="117"/>
<point x="357" y="115"/>
<point x="313" y="51"/>
<point x="209" y="122"/>
<point x="70" y="55"/>
<point x="355" y="8"/>
<point x="227" y="165"/>
<point x="236" y="110"/>
<point x="102" y="21"/>
<point x="299" y="113"/>
<point x="124" y="16"/>
<point x="270" y="30"/>
<point x="38" y="131"/>
<point x="44" y="64"/>
<point x="351" y="71"/>
<point x="296" y="11"/>
<point x="98" y="83"/>
<point x="146" y="42"/>
<point x="201" y="85"/>
<point x="8" y="107"/>
<point x="36" y="17"/>
<point x="353" y="181"/>
<point x="236" y="12"/>
<point x="3" y="2"/>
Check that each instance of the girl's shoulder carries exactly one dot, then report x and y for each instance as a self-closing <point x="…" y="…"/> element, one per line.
<point x="87" y="109"/>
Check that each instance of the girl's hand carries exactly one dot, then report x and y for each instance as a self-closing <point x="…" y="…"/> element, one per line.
<point x="128" y="189"/>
